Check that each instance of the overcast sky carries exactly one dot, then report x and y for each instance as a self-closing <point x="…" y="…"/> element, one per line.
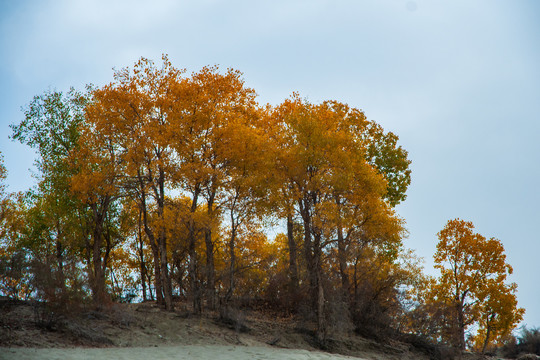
<point x="458" y="81"/>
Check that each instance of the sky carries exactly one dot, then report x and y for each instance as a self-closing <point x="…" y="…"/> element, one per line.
<point x="458" y="81"/>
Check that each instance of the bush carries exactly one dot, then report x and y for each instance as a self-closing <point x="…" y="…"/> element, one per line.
<point x="58" y="293"/>
<point x="527" y="357"/>
<point x="338" y="315"/>
<point x="15" y="276"/>
<point x="280" y="297"/>
<point x="527" y="343"/>
<point x="434" y="350"/>
<point x="233" y="318"/>
<point x="371" y="315"/>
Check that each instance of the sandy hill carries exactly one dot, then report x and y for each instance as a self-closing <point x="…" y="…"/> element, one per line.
<point x="133" y="330"/>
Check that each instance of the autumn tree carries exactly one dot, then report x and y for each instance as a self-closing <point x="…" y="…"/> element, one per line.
<point x="326" y="178"/>
<point x="281" y="191"/>
<point x="244" y="198"/>
<point x="3" y="194"/>
<point x="15" y="277"/>
<point x="472" y="285"/>
<point x="350" y="208"/>
<point x="214" y="115"/>
<point x="499" y="315"/>
<point x="52" y="127"/>
<point x="137" y="245"/>
<point x="95" y="182"/>
<point x="132" y="116"/>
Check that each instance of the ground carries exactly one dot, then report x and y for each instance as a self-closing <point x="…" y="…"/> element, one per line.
<point x="135" y="330"/>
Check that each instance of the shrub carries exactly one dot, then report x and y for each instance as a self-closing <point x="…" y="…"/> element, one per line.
<point x="15" y="276"/>
<point x="59" y="293"/>
<point x="529" y="341"/>
<point x="233" y="318"/>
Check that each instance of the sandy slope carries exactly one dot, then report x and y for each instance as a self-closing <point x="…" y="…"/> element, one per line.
<point x="144" y="331"/>
<point x="168" y="352"/>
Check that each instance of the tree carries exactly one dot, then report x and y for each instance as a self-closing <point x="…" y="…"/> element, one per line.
<point x="499" y="315"/>
<point x="324" y="175"/>
<point x="52" y="126"/>
<point x="214" y="111"/>
<point x="471" y="286"/>
<point x="97" y="171"/>
<point x="132" y="117"/>
<point x="4" y="202"/>
<point x="15" y="277"/>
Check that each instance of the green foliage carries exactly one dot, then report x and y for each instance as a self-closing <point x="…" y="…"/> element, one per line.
<point x="390" y="160"/>
<point x="51" y="124"/>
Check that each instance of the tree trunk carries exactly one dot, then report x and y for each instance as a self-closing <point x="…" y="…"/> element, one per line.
<point x="150" y="292"/>
<point x="141" y="256"/>
<point x="162" y="243"/>
<point x="152" y="240"/>
<point x="306" y="219"/>
<point x="342" y="258"/>
<point x="210" y="272"/>
<point x="60" y="262"/>
<point x="486" y="340"/>
<point x="192" y="266"/>
<point x="293" y="267"/>
<point x="319" y="290"/>
<point x="210" y="275"/>
<point x="98" y="276"/>
<point x="158" y="288"/>
<point x="488" y="332"/>
<point x="310" y="252"/>
<point x="165" y="277"/>
<point x="461" y="326"/>
<point x="195" y="290"/>
<point x="232" y="257"/>
<point x="321" y="319"/>
<point x="143" y="280"/>
<point x="313" y="252"/>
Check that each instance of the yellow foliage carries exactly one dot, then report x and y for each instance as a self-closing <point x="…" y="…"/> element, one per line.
<point x="472" y="285"/>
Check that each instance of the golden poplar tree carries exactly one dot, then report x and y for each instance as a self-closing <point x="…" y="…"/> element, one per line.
<point x="471" y="287"/>
<point x="132" y="116"/>
<point x="326" y="179"/>
<point x="214" y="113"/>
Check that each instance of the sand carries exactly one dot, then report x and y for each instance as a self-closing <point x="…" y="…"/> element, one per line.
<point x="145" y="331"/>
<point x="167" y="352"/>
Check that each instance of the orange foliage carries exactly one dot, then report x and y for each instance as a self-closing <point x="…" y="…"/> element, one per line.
<point x="472" y="285"/>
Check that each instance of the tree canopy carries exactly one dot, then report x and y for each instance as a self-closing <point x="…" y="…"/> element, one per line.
<point x="472" y="286"/>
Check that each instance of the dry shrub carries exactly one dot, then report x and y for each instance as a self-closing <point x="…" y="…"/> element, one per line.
<point x="433" y="350"/>
<point x="233" y="318"/>
<point x="528" y="357"/>
<point x="281" y="297"/>
<point x="338" y="315"/>
<point x="527" y="343"/>
<point x="59" y="294"/>
<point x="118" y="315"/>
<point x="372" y="314"/>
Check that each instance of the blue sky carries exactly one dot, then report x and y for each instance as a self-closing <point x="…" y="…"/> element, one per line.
<point x="458" y="81"/>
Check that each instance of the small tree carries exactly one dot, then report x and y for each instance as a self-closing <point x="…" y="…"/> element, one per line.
<point x="472" y="286"/>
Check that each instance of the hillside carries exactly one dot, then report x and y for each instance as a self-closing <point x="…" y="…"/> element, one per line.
<point x="146" y="325"/>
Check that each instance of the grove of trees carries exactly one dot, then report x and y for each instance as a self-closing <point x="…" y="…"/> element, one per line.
<point x="163" y="185"/>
